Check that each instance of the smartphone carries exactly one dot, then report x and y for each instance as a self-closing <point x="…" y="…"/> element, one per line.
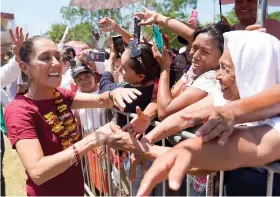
<point x="194" y="17"/>
<point x="96" y="56"/>
<point x="118" y="45"/>
<point x="158" y="38"/>
<point x="137" y="28"/>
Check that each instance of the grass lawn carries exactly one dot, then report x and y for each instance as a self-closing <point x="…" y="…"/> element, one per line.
<point x="13" y="172"/>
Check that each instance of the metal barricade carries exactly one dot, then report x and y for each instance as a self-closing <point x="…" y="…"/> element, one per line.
<point x="109" y="177"/>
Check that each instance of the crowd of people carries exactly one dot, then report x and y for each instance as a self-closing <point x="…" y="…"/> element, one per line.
<point x="222" y="87"/>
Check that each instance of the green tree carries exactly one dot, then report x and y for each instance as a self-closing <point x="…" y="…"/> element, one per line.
<point x="275" y="15"/>
<point x="230" y="16"/>
<point x="82" y="20"/>
<point x="56" y="32"/>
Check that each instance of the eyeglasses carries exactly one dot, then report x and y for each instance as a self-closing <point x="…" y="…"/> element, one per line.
<point x="135" y="49"/>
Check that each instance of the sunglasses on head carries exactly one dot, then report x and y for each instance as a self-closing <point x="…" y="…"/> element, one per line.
<point x="135" y="49"/>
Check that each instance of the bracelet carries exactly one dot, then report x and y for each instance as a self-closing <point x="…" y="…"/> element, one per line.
<point x="77" y="155"/>
<point x="110" y="96"/>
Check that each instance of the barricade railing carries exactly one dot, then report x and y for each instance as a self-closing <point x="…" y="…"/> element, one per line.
<point x="111" y="182"/>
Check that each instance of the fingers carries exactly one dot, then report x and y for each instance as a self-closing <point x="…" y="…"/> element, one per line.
<point x="115" y="128"/>
<point x="20" y="33"/>
<point x="157" y="173"/>
<point x="127" y="98"/>
<point x="12" y="36"/>
<point x="145" y="39"/>
<point x="17" y="33"/>
<point x="165" y="51"/>
<point x="138" y="136"/>
<point x="135" y="91"/>
<point x="26" y="36"/>
<point x="177" y="172"/>
<point x="131" y="95"/>
<point x="149" y="21"/>
<point x="216" y="131"/>
<point x="139" y="111"/>
<point x="127" y="127"/>
<point x="224" y="137"/>
<point x="207" y="127"/>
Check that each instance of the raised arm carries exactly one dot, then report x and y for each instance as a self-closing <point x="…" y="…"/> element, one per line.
<point x="222" y="119"/>
<point x="116" y="97"/>
<point x="42" y="168"/>
<point x="181" y="120"/>
<point x="10" y="71"/>
<point x="108" y="24"/>
<point x="167" y="104"/>
<point x="149" y="17"/>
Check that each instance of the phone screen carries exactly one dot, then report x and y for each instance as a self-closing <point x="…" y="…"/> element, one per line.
<point x="96" y="56"/>
<point x="158" y="38"/>
<point x="118" y="45"/>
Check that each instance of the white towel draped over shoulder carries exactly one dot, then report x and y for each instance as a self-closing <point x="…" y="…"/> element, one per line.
<point x="256" y="58"/>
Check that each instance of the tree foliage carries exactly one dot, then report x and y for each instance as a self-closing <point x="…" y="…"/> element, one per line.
<point x="275" y="15"/>
<point x="82" y="21"/>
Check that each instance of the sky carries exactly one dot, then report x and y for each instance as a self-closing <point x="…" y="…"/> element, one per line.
<point x="36" y="16"/>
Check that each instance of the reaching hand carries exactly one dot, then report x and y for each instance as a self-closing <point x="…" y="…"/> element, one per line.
<point x="138" y="125"/>
<point x="82" y="57"/>
<point x="107" y="24"/>
<point x="147" y="17"/>
<point x="120" y="95"/>
<point x="17" y="41"/>
<point x="220" y="124"/>
<point x="255" y="27"/>
<point x="172" y="165"/>
<point x="120" y="140"/>
<point x="163" y="59"/>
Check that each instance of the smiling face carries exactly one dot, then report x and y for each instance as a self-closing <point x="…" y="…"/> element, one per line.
<point x="246" y="11"/>
<point x="44" y="67"/>
<point x="86" y="82"/>
<point x="129" y="75"/>
<point x="205" y="54"/>
<point x="226" y="77"/>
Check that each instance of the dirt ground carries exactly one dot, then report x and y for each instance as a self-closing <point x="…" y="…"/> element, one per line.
<point x="13" y="172"/>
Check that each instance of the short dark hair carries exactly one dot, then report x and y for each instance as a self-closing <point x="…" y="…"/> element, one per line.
<point x="216" y="31"/>
<point x="27" y="48"/>
<point x="152" y="69"/>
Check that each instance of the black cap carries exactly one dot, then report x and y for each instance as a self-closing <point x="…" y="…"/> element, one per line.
<point x="80" y="68"/>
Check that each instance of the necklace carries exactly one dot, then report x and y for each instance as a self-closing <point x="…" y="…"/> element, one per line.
<point x="62" y="123"/>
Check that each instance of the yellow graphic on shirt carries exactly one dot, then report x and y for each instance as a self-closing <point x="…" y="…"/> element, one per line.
<point x="62" y="108"/>
<point x="63" y="124"/>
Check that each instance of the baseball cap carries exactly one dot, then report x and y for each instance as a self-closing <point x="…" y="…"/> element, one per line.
<point x="79" y="68"/>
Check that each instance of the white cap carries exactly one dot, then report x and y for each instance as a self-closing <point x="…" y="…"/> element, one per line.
<point x="182" y="50"/>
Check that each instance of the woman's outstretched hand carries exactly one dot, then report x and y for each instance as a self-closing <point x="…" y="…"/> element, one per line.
<point x="172" y="165"/>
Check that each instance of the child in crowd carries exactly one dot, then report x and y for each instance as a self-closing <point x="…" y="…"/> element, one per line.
<point x="85" y="79"/>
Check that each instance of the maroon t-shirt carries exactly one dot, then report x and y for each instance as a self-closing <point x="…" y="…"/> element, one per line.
<point x="24" y="120"/>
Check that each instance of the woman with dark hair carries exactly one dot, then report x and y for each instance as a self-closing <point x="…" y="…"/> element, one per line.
<point x="41" y="126"/>
<point x="139" y="70"/>
<point x="200" y="81"/>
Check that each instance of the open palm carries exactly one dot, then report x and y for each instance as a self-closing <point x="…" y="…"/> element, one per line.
<point x="17" y="40"/>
